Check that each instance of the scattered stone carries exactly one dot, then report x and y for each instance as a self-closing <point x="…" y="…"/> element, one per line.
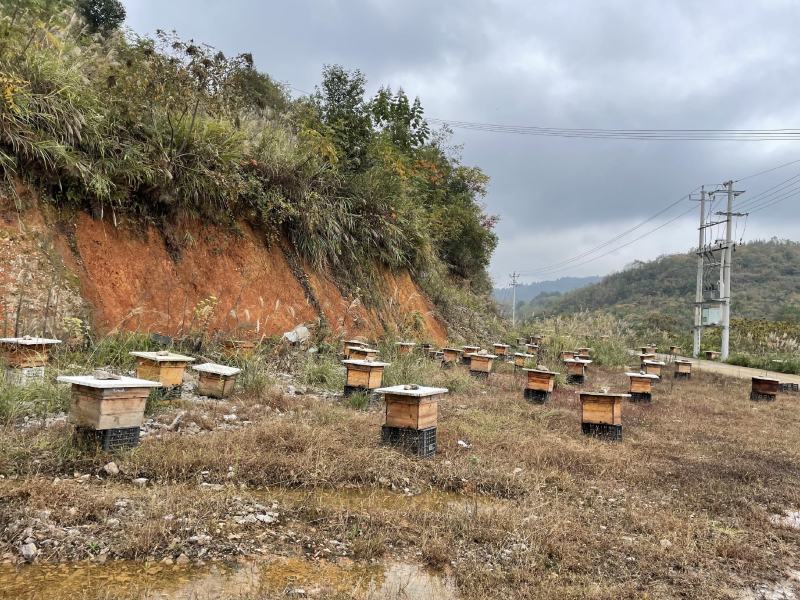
<point x="200" y="539"/>
<point x="176" y="421"/>
<point x="112" y="522"/>
<point x="182" y="560"/>
<point x="517" y="470"/>
<point x="140" y="481"/>
<point x="464" y="444"/>
<point x="230" y="417"/>
<point x="111" y="469"/>
<point x="665" y="543"/>
<point x="29" y="551"/>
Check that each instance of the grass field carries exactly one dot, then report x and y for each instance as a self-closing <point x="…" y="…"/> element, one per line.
<point x="692" y="503"/>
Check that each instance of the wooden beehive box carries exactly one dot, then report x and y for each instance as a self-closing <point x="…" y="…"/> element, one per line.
<point x="26" y="352"/>
<point x="165" y="367"/>
<point x="532" y="348"/>
<point x="641" y="383"/>
<point x="520" y="358"/>
<point x="541" y="380"/>
<point x="363" y="353"/>
<point x="409" y="408"/>
<point x="405" y="347"/>
<point x="470" y="349"/>
<point x="364" y="374"/>
<point x="536" y="339"/>
<point x="451" y="355"/>
<point x="239" y="347"/>
<point x="500" y="349"/>
<point x="653" y="367"/>
<point x="712" y="355"/>
<point x="646" y="356"/>
<point x="584" y="353"/>
<point x="650" y="348"/>
<point x="99" y="403"/>
<point x="683" y="366"/>
<point x="675" y="350"/>
<point x="352" y="344"/>
<point x="602" y="408"/>
<point x="765" y="386"/>
<point x="215" y="381"/>
<point x="577" y="366"/>
<point x="481" y="363"/>
<point x="567" y="355"/>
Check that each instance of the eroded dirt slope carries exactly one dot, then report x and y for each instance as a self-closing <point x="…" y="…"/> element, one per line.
<point x="124" y="278"/>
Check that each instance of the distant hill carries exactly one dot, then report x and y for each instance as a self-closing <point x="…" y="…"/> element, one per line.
<point x="765" y="282"/>
<point x="528" y="291"/>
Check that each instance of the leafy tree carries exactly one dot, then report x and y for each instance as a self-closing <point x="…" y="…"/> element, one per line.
<point x="401" y="120"/>
<point x="102" y="16"/>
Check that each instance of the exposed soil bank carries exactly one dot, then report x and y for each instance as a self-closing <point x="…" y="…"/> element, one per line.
<point x="126" y="278"/>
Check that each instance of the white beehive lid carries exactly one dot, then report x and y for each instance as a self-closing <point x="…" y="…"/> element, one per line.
<point x="683" y="361"/>
<point x="643" y="375"/>
<point x="578" y="360"/>
<point x="216" y="369"/>
<point x="501" y="345"/>
<point x="610" y="394"/>
<point x="29" y="341"/>
<point x="525" y="355"/>
<point x="459" y="350"/>
<point x="406" y="343"/>
<point x="104" y="384"/>
<point x="162" y="356"/>
<point x="655" y="362"/>
<point x="481" y="355"/>
<point x="419" y="392"/>
<point x="544" y="371"/>
<point x="365" y="363"/>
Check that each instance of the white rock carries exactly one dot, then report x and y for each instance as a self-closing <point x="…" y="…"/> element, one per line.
<point x="111" y="468"/>
<point x="29" y="551"/>
<point x="230" y="417"/>
<point x="140" y="481"/>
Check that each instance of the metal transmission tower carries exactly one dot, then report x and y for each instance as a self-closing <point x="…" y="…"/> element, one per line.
<point x="514" y="277"/>
<point x="713" y="300"/>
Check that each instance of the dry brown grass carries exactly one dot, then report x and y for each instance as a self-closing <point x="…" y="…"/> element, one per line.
<point x="680" y="508"/>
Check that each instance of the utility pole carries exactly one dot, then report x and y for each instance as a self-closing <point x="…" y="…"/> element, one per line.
<point x="725" y="268"/>
<point x="698" y="295"/>
<point x="514" y="276"/>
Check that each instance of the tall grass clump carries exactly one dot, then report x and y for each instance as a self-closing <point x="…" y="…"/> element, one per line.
<point x="36" y="400"/>
<point x="324" y="371"/>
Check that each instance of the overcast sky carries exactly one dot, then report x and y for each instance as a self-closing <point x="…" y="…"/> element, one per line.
<point x="588" y="64"/>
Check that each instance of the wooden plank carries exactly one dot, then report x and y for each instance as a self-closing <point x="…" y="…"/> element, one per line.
<point x="541" y="381"/>
<point x="375" y="378"/>
<point x="480" y="364"/>
<point x="404" y="411"/>
<point x="640" y="385"/>
<point x="357" y="377"/>
<point x="599" y="409"/>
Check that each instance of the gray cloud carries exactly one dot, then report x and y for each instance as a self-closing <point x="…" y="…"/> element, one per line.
<point x="613" y="64"/>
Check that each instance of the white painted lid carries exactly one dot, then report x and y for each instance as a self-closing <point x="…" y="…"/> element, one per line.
<point x="611" y="394"/>
<point x="660" y="363"/>
<point x="158" y="357"/>
<point x="216" y="369"/>
<point x="92" y="382"/>
<point x="465" y="347"/>
<point x="29" y="341"/>
<point x="501" y="345"/>
<point x="459" y="350"/>
<point x="365" y="363"/>
<point x="421" y="391"/>
<point x="525" y="355"/>
<point x="643" y="375"/>
<point x="367" y="350"/>
<point x="578" y="360"/>
<point x="770" y="379"/>
<point x="406" y="343"/>
<point x="356" y="342"/>
<point x="480" y="355"/>
<point x="683" y="361"/>
<point x="545" y="371"/>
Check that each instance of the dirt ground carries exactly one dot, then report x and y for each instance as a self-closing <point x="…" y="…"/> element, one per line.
<point x="290" y="494"/>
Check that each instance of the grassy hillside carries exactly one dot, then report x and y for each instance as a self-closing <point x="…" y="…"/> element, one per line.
<point x="529" y="291"/>
<point x="765" y="281"/>
<point x="156" y="129"/>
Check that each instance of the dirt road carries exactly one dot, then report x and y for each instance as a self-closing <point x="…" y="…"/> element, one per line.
<point x="733" y="370"/>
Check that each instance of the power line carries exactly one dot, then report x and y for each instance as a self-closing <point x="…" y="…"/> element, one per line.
<point x="629" y="134"/>
<point x="792" y="162"/>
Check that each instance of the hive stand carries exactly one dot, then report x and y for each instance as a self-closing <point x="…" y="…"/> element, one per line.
<point x="601" y="414"/>
<point x="348" y="344"/>
<point x="641" y="386"/>
<point x="683" y="369"/>
<point x="243" y="348"/>
<point x="480" y="365"/>
<point x="653" y="367"/>
<point x="465" y="357"/>
<point x="576" y="370"/>
<point x="216" y="381"/>
<point x="521" y="358"/>
<point x="363" y="375"/>
<point x="25" y="357"/>
<point x="411" y="417"/>
<point x="501" y="349"/>
<point x="539" y="384"/>
<point x="165" y="367"/>
<point x="405" y="347"/>
<point x="108" y="410"/>
<point x="764" y="388"/>
<point x="451" y="356"/>
<point x="363" y="353"/>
